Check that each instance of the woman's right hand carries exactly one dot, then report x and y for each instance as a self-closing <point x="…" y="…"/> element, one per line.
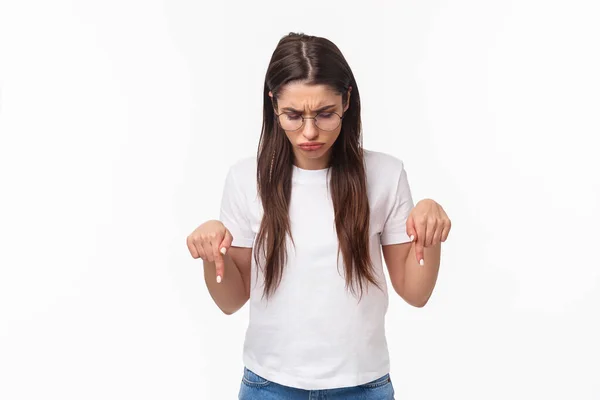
<point x="210" y="241"/>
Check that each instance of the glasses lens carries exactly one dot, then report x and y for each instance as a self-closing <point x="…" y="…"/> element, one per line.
<point x="328" y="121"/>
<point x="324" y="121"/>
<point x="290" y="122"/>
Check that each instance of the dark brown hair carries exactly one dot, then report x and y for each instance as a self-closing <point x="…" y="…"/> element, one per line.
<point x="313" y="60"/>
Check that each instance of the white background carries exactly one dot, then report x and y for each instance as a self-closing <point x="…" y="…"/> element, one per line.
<point x="119" y="119"/>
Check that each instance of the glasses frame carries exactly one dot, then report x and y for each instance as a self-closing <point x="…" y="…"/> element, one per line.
<point x="315" y="118"/>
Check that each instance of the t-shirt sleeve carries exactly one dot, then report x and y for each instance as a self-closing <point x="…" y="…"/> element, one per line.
<point x="234" y="212"/>
<point x="394" y="229"/>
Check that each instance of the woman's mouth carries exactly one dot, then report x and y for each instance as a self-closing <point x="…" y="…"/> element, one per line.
<point x="311" y="146"/>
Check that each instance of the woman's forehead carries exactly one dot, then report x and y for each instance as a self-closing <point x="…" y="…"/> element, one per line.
<point x="300" y="95"/>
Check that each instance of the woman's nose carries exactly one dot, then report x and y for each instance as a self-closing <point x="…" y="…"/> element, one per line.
<point x="310" y="130"/>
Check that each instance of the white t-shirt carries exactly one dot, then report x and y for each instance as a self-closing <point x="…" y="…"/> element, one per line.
<point x="313" y="333"/>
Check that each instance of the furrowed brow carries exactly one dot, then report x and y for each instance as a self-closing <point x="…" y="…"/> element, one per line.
<point x="300" y="111"/>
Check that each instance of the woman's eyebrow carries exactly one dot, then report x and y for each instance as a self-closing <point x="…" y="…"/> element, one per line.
<point x="300" y="111"/>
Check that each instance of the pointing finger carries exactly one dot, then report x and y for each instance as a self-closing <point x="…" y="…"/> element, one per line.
<point x="421" y="229"/>
<point x="218" y="256"/>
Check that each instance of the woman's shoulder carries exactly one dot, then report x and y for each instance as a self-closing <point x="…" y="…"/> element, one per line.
<point x="377" y="162"/>
<point x="243" y="168"/>
<point x="242" y="172"/>
<point x="385" y="175"/>
<point x="243" y="164"/>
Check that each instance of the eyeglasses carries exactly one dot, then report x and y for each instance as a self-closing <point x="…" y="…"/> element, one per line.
<point x="326" y="121"/>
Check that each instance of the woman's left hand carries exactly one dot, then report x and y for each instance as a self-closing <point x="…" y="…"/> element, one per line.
<point x="428" y="224"/>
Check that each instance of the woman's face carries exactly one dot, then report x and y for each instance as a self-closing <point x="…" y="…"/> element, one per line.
<point x="299" y="99"/>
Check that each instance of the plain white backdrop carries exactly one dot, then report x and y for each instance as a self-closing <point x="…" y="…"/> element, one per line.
<point x="119" y="119"/>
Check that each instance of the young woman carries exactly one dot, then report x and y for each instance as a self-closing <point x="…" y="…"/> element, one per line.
<point x="301" y="232"/>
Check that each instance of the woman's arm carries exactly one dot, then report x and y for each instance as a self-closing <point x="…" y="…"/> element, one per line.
<point x="412" y="281"/>
<point x="414" y="266"/>
<point x="234" y="290"/>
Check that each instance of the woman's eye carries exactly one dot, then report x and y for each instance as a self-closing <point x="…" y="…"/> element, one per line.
<point x="325" y="115"/>
<point x="293" y="117"/>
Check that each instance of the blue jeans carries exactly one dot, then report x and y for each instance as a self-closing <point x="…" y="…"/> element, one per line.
<point x="255" y="387"/>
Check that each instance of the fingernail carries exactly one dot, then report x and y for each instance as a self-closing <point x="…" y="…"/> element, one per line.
<point x="218" y="278"/>
<point x="422" y="262"/>
<point x="223" y="250"/>
<point x="412" y="237"/>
